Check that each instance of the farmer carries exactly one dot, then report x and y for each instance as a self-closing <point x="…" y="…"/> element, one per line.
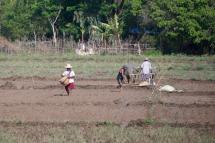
<point x="71" y="76"/>
<point x="146" y="70"/>
<point x="126" y="72"/>
<point x="120" y="77"/>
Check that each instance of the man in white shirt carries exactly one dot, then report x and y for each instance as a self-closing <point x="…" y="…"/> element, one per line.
<point x="71" y="76"/>
<point x="146" y="70"/>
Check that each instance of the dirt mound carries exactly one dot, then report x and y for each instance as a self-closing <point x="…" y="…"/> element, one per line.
<point x="148" y="122"/>
<point x="8" y="85"/>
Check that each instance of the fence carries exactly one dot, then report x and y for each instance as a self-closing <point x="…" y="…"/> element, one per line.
<point x="65" y="46"/>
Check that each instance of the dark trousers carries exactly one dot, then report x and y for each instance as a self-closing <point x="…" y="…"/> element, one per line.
<point x="119" y="78"/>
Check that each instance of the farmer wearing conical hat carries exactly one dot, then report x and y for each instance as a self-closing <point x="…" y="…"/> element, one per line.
<point x="71" y="76"/>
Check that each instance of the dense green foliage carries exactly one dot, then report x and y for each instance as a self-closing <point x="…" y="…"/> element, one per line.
<point x="185" y="23"/>
<point x="185" y="26"/>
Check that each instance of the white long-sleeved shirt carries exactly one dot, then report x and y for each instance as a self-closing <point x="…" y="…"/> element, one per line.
<point x="146" y="67"/>
<point x="69" y="74"/>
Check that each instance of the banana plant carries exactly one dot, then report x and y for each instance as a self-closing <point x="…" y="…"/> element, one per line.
<point x="79" y="18"/>
<point x="107" y="30"/>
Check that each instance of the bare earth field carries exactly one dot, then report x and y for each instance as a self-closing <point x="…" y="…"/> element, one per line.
<point x="34" y="108"/>
<point x="44" y="100"/>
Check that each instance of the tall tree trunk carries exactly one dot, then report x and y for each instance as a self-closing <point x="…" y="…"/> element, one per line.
<point x="102" y="40"/>
<point x="52" y="23"/>
<point x="54" y="35"/>
<point x="119" y="41"/>
<point x="35" y="39"/>
<point x="82" y="36"/>
<point x="106" y="51"/>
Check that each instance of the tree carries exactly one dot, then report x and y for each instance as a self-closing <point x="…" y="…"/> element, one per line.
<point x="39" y="26"/>
<point x="106" y="30"/>
<point x="116" y="28"/>
<point x="52" y="10"/>
<point x="81" y="20"/>
<point x="187" y="25"/>
<point x="14" y="18"/>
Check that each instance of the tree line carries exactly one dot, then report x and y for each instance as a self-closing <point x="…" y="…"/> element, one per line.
<point x="173" y="26"/>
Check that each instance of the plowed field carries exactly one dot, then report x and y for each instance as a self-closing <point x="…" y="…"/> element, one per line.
<point x="44" y="100"/>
